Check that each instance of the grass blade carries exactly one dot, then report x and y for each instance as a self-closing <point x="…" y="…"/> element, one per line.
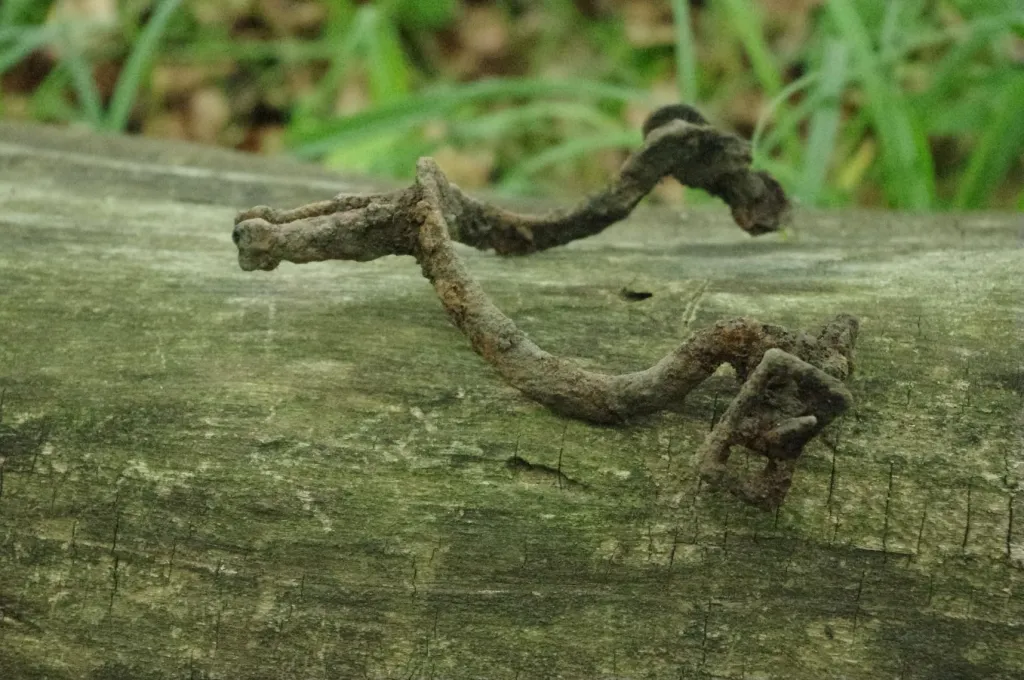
<point x="137" y="66"/>
<point x="313" y="140"/>
<point x="80" y="70"/>
<point x="12" y="11"/>
<point x="686" y="53"/>
<point x="999" y="147"/>
<point x="965" y="112"/>
<point x="935" y="38"/>
<point x="391" y="154"/>
<point x="824" y="128"/>
<point x="759" y="141"/>
<point x="388" y="70"/>
<point x="745" y="18"/>
<point x="907" y="166"/>
<point x="49" y="102"/>
<point x="501" y="123"/>
<point x="948" y="77"/>
<point x="518" y="177"/>
<point x="25" y="44"/>
<point x="348" y="36"/>
<point x="284" y="51"/>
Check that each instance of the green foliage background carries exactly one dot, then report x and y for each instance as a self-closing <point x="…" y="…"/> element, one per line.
<point x="911" y="104"/>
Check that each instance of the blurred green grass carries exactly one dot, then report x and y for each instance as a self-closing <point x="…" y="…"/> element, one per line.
<point x="908" y="104"/>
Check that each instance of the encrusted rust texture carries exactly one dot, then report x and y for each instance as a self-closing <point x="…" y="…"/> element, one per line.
<point x="792" y="380"/>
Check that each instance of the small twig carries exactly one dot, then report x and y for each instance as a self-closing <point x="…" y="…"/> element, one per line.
<point x="802" y="371"/>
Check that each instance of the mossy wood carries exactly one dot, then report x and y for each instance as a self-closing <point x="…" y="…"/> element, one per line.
<point x="309" y="474"/>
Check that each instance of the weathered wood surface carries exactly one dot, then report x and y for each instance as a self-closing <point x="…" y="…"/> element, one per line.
<point x="302" y="474"/>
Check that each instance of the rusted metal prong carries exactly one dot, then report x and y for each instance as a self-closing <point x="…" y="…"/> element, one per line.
<point x="784" y="403"/>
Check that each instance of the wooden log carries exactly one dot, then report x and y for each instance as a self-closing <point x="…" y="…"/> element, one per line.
<point x="309" y="474"/>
